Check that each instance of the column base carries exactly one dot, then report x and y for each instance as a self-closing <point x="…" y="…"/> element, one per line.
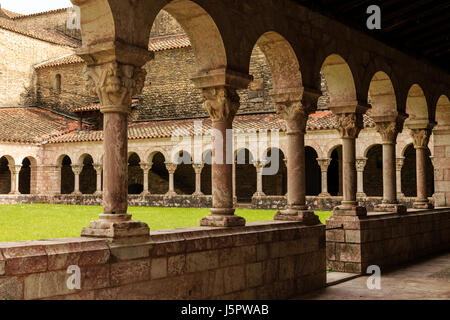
<point x="14" y="193"/>
<point x="98" y="193"/>
<point x="198" y="194"/>
<point x="325" y="195"/>
<point x="76" y="193"/>
<point x="391" y="207"/>
<point x="145" y="193"/>
<point x="306" y="217"/>
<point x="423" y="205"/>
<point x="350" y="210"/>
<point x="222" y="218"/>
<point x="258" y="195"/>
<point x="170" y="194"/>
<point x="400" y="195"/>
<point x="117" y="226"/>
<point x="361" y="195"/>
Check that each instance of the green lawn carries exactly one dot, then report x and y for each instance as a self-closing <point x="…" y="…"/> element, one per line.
<point x="42" y="221"/>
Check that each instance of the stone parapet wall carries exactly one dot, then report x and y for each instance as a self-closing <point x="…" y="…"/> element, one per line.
<point x="385" y="240"/>
<point x="268" y="260"/>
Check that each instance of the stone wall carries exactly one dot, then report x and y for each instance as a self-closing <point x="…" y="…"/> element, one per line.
<point x="385" y="240"/>
<point x="259" y="261"/>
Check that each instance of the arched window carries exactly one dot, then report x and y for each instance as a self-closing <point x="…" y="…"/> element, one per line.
<point x="58" y="83"/>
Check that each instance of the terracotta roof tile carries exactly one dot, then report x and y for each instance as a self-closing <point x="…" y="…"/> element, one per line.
<point x="323" y="120"/>
<point x="63" y="60"/>
<point x="20" y="16"/>
<point x="169" y="42"/>
<point x="32" y="124"/>
<point x="10" y="14"/>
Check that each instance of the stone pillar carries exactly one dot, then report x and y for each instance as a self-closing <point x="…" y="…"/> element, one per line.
<point x="324" y="164"/>
<point x="77" y="171"/>
<point x="360" y="165"/>
<point x="146" y="168"/>
<point x="421" y="138"/>
<point x="398" y="167"/>
<point x="15" y="170"/>
<point x="350" y="124"/>
<point x="198" y="167"/>
<point x="115" y="75"/>
<point x="259" y="165"/>
<point x="98" y="169"/>
<point x="294" y="107"/>
<point x="171" y="167"/>
<point x="234" y="183"/>
<point x="389" y="131"/>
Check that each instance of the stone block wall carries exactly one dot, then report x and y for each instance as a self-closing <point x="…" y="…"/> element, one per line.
<point x="261" y="261"/>
<point x="385" y="240"/>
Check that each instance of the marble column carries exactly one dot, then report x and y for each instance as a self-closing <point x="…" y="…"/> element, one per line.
<point x="389" y="131"/>
<point x="171" y="168"/>
<point x="398" y="176"/>
<point x="234" y="183"/>
<point x="15" y="171"/>
<point x="349" y="126"/>
<point x="421" y="139"/>
<point x="77" y="171"/>
<point x="360" y="166"/>
<point x="98" y="170"/>
<point x="115" y="82"/>
<point x="222" y="103"/>
<point x="259" y="165"/>
<point x="198" y="167"/>
<point x="145" y="169"/>
<point x="294" y="108"/>
<point x="324" y="163"/>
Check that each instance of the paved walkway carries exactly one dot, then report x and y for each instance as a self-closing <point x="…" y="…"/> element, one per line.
<point x="426" y="279"/>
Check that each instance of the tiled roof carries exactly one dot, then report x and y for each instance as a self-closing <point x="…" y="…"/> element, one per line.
<point x="47" y="35"/>
<point x="10" y="14"/>
<point x="96" y="107"/>
<point x="19" y="16"/>
<point x="322" y="120"/>
<point x="66" y="59"/>
<point x="32" y="124"/>
<point x="169" y="42"/>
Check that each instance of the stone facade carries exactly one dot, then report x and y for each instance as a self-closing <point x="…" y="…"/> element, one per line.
<point x="261" y="261"/>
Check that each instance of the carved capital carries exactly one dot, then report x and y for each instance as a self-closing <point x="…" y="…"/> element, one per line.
<point x="294" y="114"/>
<point x="114" y="84"/>
<point x="399" y="163"/>
<point x="146" y="167"/>
<point x="388" y="131"/>
<point x="171" y="167"/>
<point x="421" y="137"/>
<point x="98" y="168"/>
<point x="15" y="169"/>
<point x="77" y="169"/>
<point x="221" y="103"/>
<point x="259" y="165"/>
<point x="349" y="124"/>
<point x="361" y="164"/>
<point x="324" y="164"/>
<point x="198" y="167"/>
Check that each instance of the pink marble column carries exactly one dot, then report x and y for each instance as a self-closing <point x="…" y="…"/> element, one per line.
<point x="295" y="109"/>
<point x="198" y="167"/>
<point x="324" y="164"/>
<point x="145" y="169"/>
<point x="360" y="165"/>
<point x="259" y="165"/>
<point x="421" y="139"/>
<point x="98" y="169"/>
<point x="77" y="169"/>
<point x="389" y="131"/>
<point x="15" y="171"/>
<point x="398" y="167"/>
<point x="222" y="104"/>
<point x="349" y="126"/>
<point x="115" y="83"/>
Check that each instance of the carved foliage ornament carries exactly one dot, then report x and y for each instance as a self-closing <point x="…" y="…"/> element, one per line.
<point x="349" y="124"/>
<point x="388" y="131"/>
<point x="115" y="83"/>
<point x="324" y="164"/>
<point x="421" y="137"/>
<point x="360" y="164"/>
<point x="221" y="103"/>
<point x="294" y="114"/>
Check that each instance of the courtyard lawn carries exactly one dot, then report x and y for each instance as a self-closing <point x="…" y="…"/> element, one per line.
<point x="43" y="221"/>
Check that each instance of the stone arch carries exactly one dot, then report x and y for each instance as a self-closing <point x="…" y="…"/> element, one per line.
<point x="184" y="176"/>
<point x="283" y="61"/>
<point x="409" y="178"/>
<point x="5" y="174"/>
<point x="158" y="176"/>
<point x="275" y="185"/>
<point x="313" y="172"/>
<point x="135" y="174"/>
<point x="67" y="176"/>
<point x="206" y="172"/>
<point x="340" y="81"/>
<point x="28" y="176"/>
<point x="156" y="151"/>
<point x="417" y="106"/>
<point x="381" y="95"/>
<point x="334" y="173"/>
<point x="88" y="175"/>
<point x="373" y="171"/>
<point x="245" y="175"/>
<point x="443" y="112"/>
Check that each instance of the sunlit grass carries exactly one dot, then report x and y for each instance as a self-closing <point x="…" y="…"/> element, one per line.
<point x="44" y="221"/>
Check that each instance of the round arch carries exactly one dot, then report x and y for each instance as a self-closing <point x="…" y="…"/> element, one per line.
<point x="381" y="95"/>
<point x="135" y="174"/>
<point x="443" y="112"/>
<point x="184" y="176"/>
<point x="245" y="175"/>
<point x="417" y="106"/>
<point x="275" y="184"/>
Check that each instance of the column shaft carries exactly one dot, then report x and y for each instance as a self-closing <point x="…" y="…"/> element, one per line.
<point x="349" y="172"/>
<point x="389" y="180"/>
<point x="296" y="171"/>
<point x="421" y="173"/>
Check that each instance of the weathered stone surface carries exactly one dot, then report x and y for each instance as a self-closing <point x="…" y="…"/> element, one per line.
<point x="11" y="288"/>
